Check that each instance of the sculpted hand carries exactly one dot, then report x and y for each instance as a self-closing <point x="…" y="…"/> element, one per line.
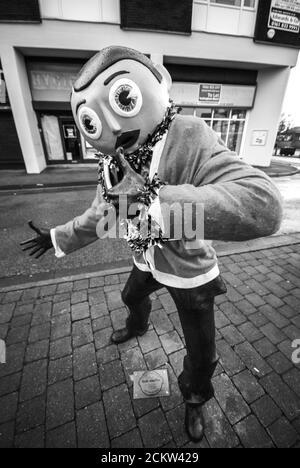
<point x="129" y="185"/>
<point x="39" y="244"/>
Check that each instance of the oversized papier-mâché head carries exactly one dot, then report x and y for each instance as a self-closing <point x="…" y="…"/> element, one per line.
<point x="119" y="98"/>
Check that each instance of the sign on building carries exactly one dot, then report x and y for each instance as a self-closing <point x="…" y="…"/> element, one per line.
<point x="278" y="22"/>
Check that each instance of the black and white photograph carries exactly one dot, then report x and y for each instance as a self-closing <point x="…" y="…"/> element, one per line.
<point x="149" y="226"/>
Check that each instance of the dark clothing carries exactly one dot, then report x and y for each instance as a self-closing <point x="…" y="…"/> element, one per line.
<point x="196" y="312"/>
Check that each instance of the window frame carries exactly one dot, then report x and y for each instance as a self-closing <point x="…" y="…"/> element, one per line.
<point x="209" y="3"/>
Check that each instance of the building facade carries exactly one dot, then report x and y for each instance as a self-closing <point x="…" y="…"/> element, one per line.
<point x="227" y="67"/>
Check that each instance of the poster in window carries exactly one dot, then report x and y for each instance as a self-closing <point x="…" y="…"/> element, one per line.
<point x="278" y="22"/>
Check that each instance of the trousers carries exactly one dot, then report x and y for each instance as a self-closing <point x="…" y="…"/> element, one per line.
<point x="196" y="313"/>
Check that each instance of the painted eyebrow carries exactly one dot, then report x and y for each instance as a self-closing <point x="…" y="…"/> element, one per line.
<point x="111" y="77"/>
<point x="83" y="101"/>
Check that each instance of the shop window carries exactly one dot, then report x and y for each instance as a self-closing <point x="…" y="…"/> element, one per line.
<point x="228" y="123"/>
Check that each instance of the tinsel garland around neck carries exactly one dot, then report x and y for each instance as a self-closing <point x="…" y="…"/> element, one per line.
<point x="143" y="155"/>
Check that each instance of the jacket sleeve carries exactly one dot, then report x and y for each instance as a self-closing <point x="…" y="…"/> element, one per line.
<point x="239" y="202"/>
<point x="82" y="230"/>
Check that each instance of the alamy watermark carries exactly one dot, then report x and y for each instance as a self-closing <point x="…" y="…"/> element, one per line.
<point x="2" y="352"/>
<point x="296" y="353"/>
<point x="177" y="220"/>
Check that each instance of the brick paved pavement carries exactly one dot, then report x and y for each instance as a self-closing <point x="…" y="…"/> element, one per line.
<point x="65" y="385"/>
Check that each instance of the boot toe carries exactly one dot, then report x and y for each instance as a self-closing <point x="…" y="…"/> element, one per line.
<point x="194" y="422"/>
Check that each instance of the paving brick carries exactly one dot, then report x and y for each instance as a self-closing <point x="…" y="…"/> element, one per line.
<point x="132" y="361"/>
<point x="119" y="413"/>
<point x="30" y="295"/>
<point x="149" y="341"/>
<point x="80" y="285"/>
<point x="78" y="297"/>
<point x="255" y="299"/>
<point x="292" y="301"/>
<point x="245" y="307"/>
<point x="33" y="438"/>
<point x="118" y="318"/>
<point x="257" y="287"/>
<point x="131" y="439"/>
<point x="176" y="322"/>
<point x="80" y="311"/>
<point x="266" y="410"/>
<point x="274" y="334"/>
<point x="114" y="300"/>
<point x="41" y="313"/>
<point x="264" y="347"/>
<point x="39" y="332"/>
<point x="84" y="362"/>
<point x="275" y="288"/>
<point x="292" y="332"/>
<point x="279" y="363"/>
<point x="103" y="338"/>
<point x="252" y="434"/>
<point x="232" y="313"/>
<point x="96" y="282"/>
<point x="283" y="433"/>
<point x="167" y="303"/>
<point x="252" y="359"/>
<point x="17" y="335"/>
<point x="176" y="361"/>
<point x="232" y="335"/>
<point x="229" y="399"/>
<point x="61" y="308"/>
<point x="248" y="385"/>
<point x="111" y="375"/>
<point x="292" y="378"/>
<point x="64" y="287"/>
<point x="273" y="301"/>
<point x="34" y="380"/>
<point x="108" y="354"/>
<point x="229" y="359"/>
<point x="98" y="310"/>
<point x="258" y="319"/>
<point x="31" y="414"/>
<point x="221" y="320"/>
<point x="96" y="296"/>
<point x="6" y="312"/>
<point x="250" y="332"/>
<point x="91" y="427"/>
<point x="273" y="316"/>
<point x="21" y="320"/>
<point x="175" y="419"/>
<point x="14" y="359"/>
<point x="161" y="322"/>
<point x="281" y="394"/>
<point x="218" y="432"/>
<point x="154" y="429"/>
<point x="7" y="435"/>
<point x="82" y="332"/>
<point x="171" y="342"/>
<point x="87" y="392"/>
<point x="111" y="279"/>
<point x="10" y="384"/>
<point x="60" y="348"/>
<point x="66" y="296"/>
<point x="60" y="369"/>
<point x="233" y="295"/>
<point x="8" y="407"/>
<point x="60" y="404"/>
<point x="12" y="296"/>
<point x="156" y="358"/>
<point x="37" y="351"/>
<point x="62" y="437"/>
<point x="101" y="323"/>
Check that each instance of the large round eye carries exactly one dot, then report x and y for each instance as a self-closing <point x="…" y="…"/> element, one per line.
<point x="90" y="123"/>
<point x="125" y="98"/>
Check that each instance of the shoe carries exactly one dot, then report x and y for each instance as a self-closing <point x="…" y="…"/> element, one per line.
<point x="194" y="422"/>
<point x="125" y="334"/>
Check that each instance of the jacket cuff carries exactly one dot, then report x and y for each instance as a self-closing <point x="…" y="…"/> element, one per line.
<point x="58" y="252"/>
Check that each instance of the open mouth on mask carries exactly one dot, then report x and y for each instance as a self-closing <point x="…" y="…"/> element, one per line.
<point x="127" y="139"/>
